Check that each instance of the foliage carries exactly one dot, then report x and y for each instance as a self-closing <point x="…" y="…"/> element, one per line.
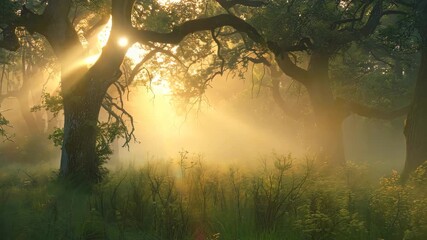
<point x="418" y="210"/>
<point x="107" y="134"/>
<point x="9" y="11"/>
<point x="375" y="78"/>
<point x="160" y="201"/>
<point x="330" y="212"/>
<point x="99" y="6"/>
<point x="50" y="103"/>
<point x="3" y="123"/>
<point x="57" y="136"/>
<point x="392" y="203"/>
<point x="275" y="190"/>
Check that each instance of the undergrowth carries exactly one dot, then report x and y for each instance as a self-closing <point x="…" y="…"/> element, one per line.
<point x="188" y="198"/>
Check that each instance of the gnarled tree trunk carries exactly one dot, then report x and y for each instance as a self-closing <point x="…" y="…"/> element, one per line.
<point x="79" y="158"/>
<point x="82" y="98"/>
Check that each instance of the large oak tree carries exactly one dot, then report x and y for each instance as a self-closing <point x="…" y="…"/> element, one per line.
<point x="83" y="89"/>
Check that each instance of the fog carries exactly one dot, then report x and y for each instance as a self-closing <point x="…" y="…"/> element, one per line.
<point x="217" y="132"/>
<point x="232" y="125"/>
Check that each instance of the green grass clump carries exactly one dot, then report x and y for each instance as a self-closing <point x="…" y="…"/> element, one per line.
<point x="188" y="198"/>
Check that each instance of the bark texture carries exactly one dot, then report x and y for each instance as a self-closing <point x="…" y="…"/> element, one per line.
<point x="416" y="123"/>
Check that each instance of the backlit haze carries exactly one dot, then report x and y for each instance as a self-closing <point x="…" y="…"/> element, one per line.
<point x="232" y="125"/>
<point x="216" y="130"/>
<point x="223" y="130"/>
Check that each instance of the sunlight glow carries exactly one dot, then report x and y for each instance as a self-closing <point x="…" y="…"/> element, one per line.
<point x="123" y="42"/>
<point x="105" y="33"/>
<point x="160" y="86"/>
<point x="135" y="53"/>
<point x="91" y="59"/>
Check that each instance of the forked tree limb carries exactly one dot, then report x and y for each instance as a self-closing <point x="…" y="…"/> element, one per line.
<point x="292" y="70"/>
<point x="197" y="25"/>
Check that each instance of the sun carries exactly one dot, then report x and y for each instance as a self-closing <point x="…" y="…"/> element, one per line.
<point x="123" y="42"/>
<point x="135" y="53"/>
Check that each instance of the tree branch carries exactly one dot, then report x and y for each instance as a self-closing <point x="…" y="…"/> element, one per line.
<point x="278" y="99"/>
<point x="291" y="69"/>
<point x="275" y="89"/>
<point x="368" y="28"/>
<point x="227" y="4"/>
<point x="259" y="60"/>
<point x="108" y="105"/>
<point x="352" y="107"/>
<point x="371" y="24"/>
<point x="218" y="52"/>
<point x="138" y="66"/>
<point x="97" y="27"/>
<point x="353" y="20"/>
<point x="373" y="20"/>
<point x="284" y="62"/>
<point x="197" y="25"/>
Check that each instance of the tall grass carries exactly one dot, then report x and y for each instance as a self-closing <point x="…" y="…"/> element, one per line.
<point x="188" y="198"/>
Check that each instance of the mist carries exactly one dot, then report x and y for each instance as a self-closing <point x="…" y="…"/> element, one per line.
<point x="231" y="127"/>
<point x="213" y="120"/>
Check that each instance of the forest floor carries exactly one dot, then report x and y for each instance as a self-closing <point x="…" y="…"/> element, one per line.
<point x="187" y="198"/>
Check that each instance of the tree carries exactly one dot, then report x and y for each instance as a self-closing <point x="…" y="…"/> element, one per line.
<point x="322" y="29"/>
<point x="83" y="90"/>
<point x="416" y="129"/>
<point x="23" y="78"/>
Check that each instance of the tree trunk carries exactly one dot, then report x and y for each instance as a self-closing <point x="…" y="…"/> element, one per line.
<point x="79" y="158"/>
<point x="328" y="116"/>
<point x="416" y="127"/>
<point x="328" y="121"/>
<point x="83" y="92"/>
